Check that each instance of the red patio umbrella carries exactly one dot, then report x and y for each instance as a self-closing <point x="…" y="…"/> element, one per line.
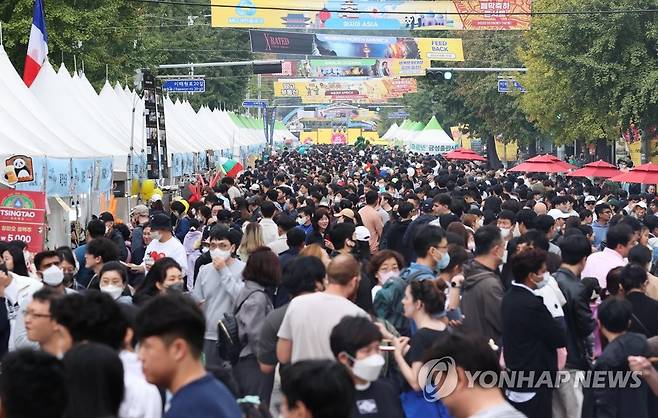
<point x="644" y="174"/>
<point x="598" y="168"/>
<point x="542" y="164"/>
<point x="464" y="154"/>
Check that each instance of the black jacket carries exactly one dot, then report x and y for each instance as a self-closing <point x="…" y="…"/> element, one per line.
<point x="410" y="234"/>
<point x="578" y="317"/>
<point x="393" y="238"/>
<point x="608" y="402"/>
<point x="645" y="310"/>
<point x="116" y="237"/>
<point x="531" y="335"/>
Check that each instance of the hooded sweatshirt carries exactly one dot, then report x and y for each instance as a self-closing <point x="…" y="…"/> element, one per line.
<point x="482" y="296"/>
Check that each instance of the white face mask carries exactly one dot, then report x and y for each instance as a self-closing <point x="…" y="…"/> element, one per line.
<point x="53" y="276"/>
<point x="368" y="368"/>
<point x="155" y="235"/>
<point x="480" y="222"/>
<point x="223" y="254"/>
<point x="113" y="291"/>
<point x="301" y="220"/>
<point x="544" y="280"/>
<point x="471" y="245"/>
<point x="504" y="232"/>
<point x="386" y="276"/>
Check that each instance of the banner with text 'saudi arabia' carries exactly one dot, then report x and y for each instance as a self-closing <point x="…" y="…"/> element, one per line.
<point x="346" y="46"/>
<point x="402" y="15"/>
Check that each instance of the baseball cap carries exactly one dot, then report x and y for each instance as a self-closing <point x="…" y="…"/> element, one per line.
<point x="426" y="206"/>
<point x="160" y="221"/>
<point x="641" y="204"/>
<point x="254" y="187"/>
<point x="614" y="202"/>
<point x="347" y="212"/>
<point x="558" y="214"/>
<point x="362" y="233"/>
<point x="590" y="198"/>
<point x="140" y="210"/>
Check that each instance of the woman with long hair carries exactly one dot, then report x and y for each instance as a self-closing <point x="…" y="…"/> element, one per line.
<point x="252" y="305"/>
<point x="165" y="276"/>
<point x="321" y="223"/>
<point x="252" y="239"/>
<point x="422" y="302"/>
<point x="94" y="375"/>
<point x="15" y="260"/>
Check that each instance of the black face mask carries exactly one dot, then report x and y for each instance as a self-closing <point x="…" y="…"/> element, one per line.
<point x="68" y="280"/>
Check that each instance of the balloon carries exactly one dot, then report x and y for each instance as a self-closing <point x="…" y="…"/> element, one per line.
<point x="148" y="186"/>
<point x="134" y="187"/>
<point x="187" y="205"/>
<point x="156" y="192"/>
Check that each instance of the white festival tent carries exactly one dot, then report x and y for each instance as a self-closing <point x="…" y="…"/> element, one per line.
<point x="432" y="139"/>
<point x="391" y="132"/>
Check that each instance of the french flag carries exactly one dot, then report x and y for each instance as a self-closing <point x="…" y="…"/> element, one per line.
<point x="37" y="48"/>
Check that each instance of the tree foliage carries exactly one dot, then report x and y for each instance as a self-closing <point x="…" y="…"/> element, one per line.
<point x="125" y="36"/>
<point x="592" y="76"/>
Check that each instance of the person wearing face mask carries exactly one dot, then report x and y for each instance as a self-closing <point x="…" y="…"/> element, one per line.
<point x="431" y="247"/>
<point x="304" y="219"/>
<point x="165" y="277"/>
<point x="163" y="244"/>
<point x="482" y="288"/>
<point x="506" y="223"/>
<point x="423" y="303"/>
<point x="525" y="349"/>
<point x="355" y="343"/>
<point x="217" y="287"/>
<point x="114" y="282"/>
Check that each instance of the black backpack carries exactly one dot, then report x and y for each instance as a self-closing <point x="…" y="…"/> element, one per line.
<point x="228" y="337"/>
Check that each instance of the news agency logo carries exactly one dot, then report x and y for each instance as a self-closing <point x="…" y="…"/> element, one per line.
<point x="438" y="378"/>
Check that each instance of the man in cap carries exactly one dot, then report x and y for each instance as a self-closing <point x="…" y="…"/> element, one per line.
<point x="164" y="244"/>
<point x="640" y="210"/>
<point x="114" y="235"/>
<point x="140" y="217"/>
<point x="346" y="215"/>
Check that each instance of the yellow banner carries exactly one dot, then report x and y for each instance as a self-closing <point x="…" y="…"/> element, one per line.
<point x="369" y="90"/>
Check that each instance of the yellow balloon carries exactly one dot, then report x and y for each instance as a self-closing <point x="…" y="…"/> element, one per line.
<point x="187" y="205"/>
<point x="156" y="192"/>
<point x="134" y="187"/>
<point x="148" y="186"/>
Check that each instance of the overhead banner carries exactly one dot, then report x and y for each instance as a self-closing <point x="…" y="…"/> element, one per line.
<point x="297" y="43"/>
<point x="360" y="67"/>
<point x="373" y="15"/>
<point x="359" y="90"/>
<point x="23" y="217"/>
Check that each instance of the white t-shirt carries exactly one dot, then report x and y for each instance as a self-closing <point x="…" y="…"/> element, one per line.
<point x="309" y="321"/>
<point x="171" y="248"/>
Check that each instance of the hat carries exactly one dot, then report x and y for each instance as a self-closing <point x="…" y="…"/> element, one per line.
<point x="558" y="214"/>
<point x="348" y="213"/>
<point x="254" y="187"/>
<point x="160" y="221"/>
<point x="614" y="202"/>
<point x="590" y="198"/>
<point x="53" y="276"/>
<point x="641" y="204"/>
<point x="140" y="210"/>
<point x="155" y="198"/>
<point x="106" y="217"/>
<point x="427" y="205"/>
<point x="362" y="233"/>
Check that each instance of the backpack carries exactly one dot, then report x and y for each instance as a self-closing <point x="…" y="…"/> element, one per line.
<point x="228" y="336"/>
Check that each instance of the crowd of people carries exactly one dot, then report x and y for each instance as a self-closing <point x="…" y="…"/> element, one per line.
<point x="322" y="283"/>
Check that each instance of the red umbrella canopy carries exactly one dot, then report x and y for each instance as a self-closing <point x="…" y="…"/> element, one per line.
<point x="644" y="174"/>
<point x="542" y="164"/>
<point x="598" y="168"/>
<point x="464" y="154"/>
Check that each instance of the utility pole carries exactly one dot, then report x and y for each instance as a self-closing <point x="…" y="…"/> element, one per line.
<point x="259" y="81"/>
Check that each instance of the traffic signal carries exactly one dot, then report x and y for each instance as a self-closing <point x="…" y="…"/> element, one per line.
<point x="438" y="75"/>
<point x="268" y="68"/>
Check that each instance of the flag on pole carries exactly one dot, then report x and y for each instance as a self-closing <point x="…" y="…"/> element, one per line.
<point x="37" y="48"/>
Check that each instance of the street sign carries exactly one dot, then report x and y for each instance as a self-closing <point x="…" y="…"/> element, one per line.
<point x="503" y="86"/>
<point x="185" y="86"/>
<point x="250" y="104"/>
<point x="400" y="114"/>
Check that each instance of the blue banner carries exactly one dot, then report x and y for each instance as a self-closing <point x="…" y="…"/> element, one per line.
<point x="82" y="173"/>
<point x="58" y="182"/>
<point x="102" y="175"/>
<point x="177" y="165"/>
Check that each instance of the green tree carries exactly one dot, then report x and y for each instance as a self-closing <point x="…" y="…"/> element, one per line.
<point x="592" y="76"/>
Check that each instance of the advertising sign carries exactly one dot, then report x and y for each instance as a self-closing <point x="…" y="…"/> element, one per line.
<point x="373" y="15"/>
<point x="194" y="85"/>
<point x="364" y="67"/>
<point x="360" y="90"/>
<point x="23" y="217"/>
<point x="297" y="43"/>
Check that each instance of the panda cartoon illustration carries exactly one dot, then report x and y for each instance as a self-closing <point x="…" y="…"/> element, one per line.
<point x="22" y="170"/>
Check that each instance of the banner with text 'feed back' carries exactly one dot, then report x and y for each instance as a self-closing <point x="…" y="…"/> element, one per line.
<point x="373" y="15"/>
<point x="346" y="46"/>
<point x="354" y="90"/>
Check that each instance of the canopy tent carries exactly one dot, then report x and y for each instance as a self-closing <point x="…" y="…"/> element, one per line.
<point x="598" y="168"/>
<point x="432" y="139"/>
<point x="464" y="154"/>
<point x="542" y="164"/>
<point x="643" y="174"/>
<point x="391" y="132"/>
